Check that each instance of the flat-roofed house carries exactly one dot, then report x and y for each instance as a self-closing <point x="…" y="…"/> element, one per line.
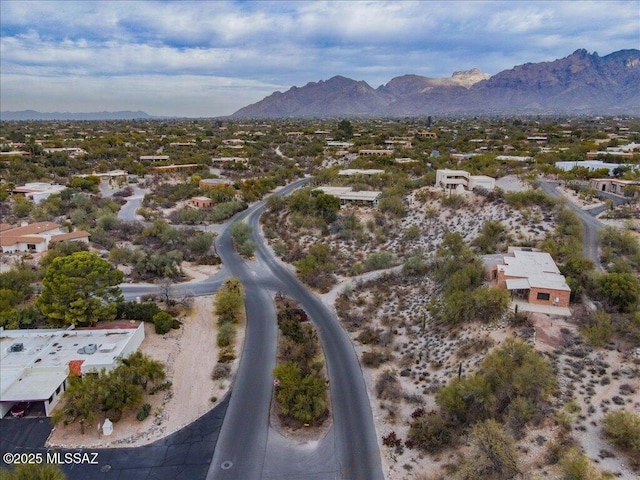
<point x="461" y="180"/>
<point x="200" y="202"/>
<point x="35" y="363"/>
<point x="39" y="191"/>
<point x="615" y="185"/>
<point x="348" y="195"/>
<point x="532" y="276"/>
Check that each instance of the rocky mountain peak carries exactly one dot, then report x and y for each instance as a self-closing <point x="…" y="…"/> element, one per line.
<point x="466" y="78"/>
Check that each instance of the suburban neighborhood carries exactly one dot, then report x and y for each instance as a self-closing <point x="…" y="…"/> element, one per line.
<point x="429" y="264"/>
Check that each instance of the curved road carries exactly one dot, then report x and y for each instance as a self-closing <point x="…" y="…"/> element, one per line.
<point x="591" y="225"/>
<point x="247" y="448"/>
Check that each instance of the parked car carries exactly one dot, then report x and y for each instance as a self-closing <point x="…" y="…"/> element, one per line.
<point x="20" y="409"/>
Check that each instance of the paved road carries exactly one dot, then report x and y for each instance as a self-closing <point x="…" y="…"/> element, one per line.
<point x="183" y="455"/>
<point x="591" y="225"/>
<point x="128" y="211"/>
<point x="248" y="448"/>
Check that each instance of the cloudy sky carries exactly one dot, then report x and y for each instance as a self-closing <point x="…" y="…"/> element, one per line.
<point x="209" y="58"/>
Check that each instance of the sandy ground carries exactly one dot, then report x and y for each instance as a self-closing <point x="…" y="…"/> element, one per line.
<point x="429" y="359"/>
<point x="190" y="354"/>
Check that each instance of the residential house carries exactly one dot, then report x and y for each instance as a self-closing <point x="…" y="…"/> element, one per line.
<point x="461" y="180"/>
<point x="532" y="275"/>
<point x="348" y="195"/>
<point x="36" y="237"/>
<point x="200" y="202"/>
<point x="615" y="186"/>
<point x="35" y="364"/>
<point x="39" y="191"/>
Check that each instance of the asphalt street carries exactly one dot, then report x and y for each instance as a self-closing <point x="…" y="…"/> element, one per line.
<point x="183" y="455"/>
<point x="234" y="440"/>
<point x="248" y="448"/>
<point x="591" y="225"/>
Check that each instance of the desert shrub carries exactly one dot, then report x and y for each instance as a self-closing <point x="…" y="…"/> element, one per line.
<point x="388" y="386"/>
<point x="226" y="334"/>
<point x="453" y="201"/>
<point x="221" y="371"/>
<point x="227" y="354"/>
<point x="513" y="373"/>
<point x="378" y="261"/>
<point x="577" y="466"/>
<point x="494" y="454"/>
<point x="598" y="330"/>
<point x="374" y="358"/>
<point x="163" y="322"/>
<point x="622" y="428"/>
<point x="432" y="432"/>
<point x="369" y="336"/>
<point x="528" y="198"/>
<point x="415" y="264"/>
<point x="144" y="412"/>
<point x="493" y="235"/>
<point x="619" y="290"/>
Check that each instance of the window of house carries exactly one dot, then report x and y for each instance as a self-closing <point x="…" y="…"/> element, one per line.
<point x="544" y="296"/>
<point x="50" y="399"/>
<point x="31" y="246"/>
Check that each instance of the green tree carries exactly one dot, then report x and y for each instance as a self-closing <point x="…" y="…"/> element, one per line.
<point x="80" y="288"/>
<point x="142" y="369"/>
<point x="200" y="244"/>
<point x="492" y="236"/>
<point x="62" y="249"/>
<point x="82" y="400"/>
<point x="619" y="290"/>
<point x="598" y="331"/>
<point x="344" y="130"/>
<point x="33" y="471"/>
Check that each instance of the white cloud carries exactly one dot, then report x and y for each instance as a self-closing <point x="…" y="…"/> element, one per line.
<point x="265" y="44"/>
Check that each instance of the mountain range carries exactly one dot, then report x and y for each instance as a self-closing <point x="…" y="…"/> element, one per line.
<point x="581" y="83"/>
<point x="34" y="115"/>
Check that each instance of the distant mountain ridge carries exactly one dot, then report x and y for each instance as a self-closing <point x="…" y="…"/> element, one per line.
<point x="34" y="115"/>
<point x="581" y="83"/>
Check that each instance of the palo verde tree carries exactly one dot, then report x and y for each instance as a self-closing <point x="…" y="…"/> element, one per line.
<point x="80" y="288"/>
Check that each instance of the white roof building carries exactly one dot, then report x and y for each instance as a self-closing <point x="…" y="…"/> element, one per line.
<point x="348" y="195"/>
<point x="593" y="165"/>
<point x="462" y="180"/>
<point x="35" y="363"/>
<point x="349" y="172"/>
<point x="39" y="191"/>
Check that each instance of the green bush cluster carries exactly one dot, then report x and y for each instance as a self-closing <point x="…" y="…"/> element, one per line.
<point x="229" y="308"/>
<point x="301" y="394"/>
<point x="460" y="274"/>
<point x="529" y="198"/>
<point x="511" y="384"/>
